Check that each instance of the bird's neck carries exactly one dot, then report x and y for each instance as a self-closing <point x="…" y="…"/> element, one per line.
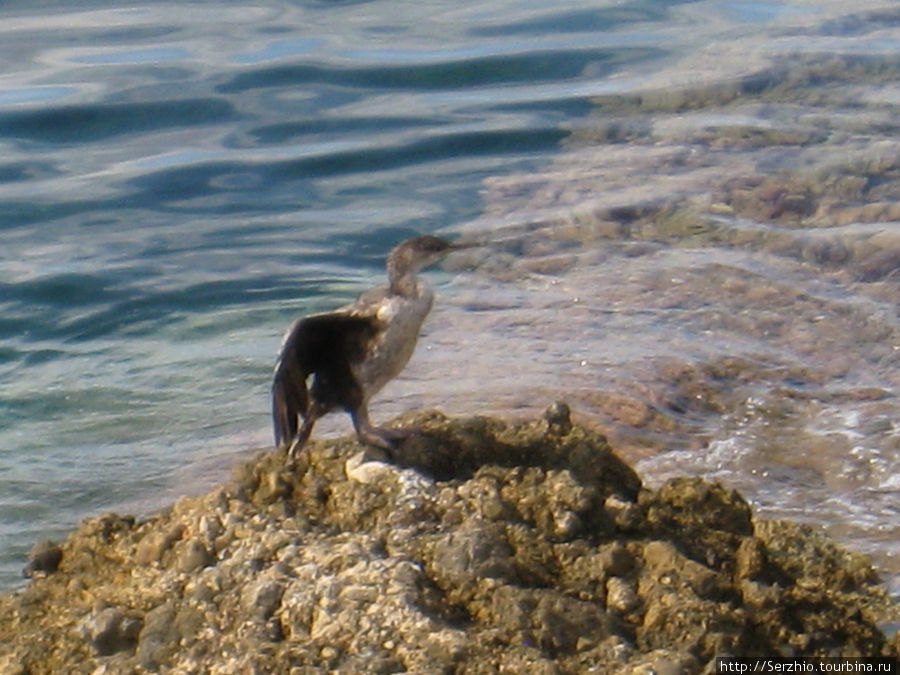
<point x="401" y="275"/>
<point x="406" y="284"/>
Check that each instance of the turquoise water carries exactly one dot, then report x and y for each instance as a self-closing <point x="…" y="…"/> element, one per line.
<point x="179" y="181"/>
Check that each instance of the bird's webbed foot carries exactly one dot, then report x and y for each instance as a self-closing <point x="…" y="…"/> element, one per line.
<point x="382" y="442"/>
<point x="382" y="438"/>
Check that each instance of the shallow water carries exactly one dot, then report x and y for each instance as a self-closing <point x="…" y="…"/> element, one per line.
<point x="692" y="208"/>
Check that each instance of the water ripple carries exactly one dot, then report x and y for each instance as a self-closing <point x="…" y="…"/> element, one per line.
<point x="89" y="123"/>
<point x="484" y="70"/>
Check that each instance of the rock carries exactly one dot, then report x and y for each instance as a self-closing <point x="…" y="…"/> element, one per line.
<point x="368" y="472"/>
<point x="549" y="621"/>
<point x="158" y="637"/>
<point x="711" y="520"/>
<point x="486" y="547"/>
<point x="625" y="515"/>
<point x="263" y="598"/>
<point x="192" y="555"/>
<point x="44" y="558"/>
<point x="111" y="630"/>
<point x="620" y="595"/>
<point x="558" y="417"/>
<point x="665" y="567"/>
<point x="475" y="551"/>
<point x="152" y="547"/>
<point x="665" y="662"/>
<point x="188" y="622"/>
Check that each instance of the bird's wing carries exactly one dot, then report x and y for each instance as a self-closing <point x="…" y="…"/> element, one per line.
<point x="317" y="341"/>
<point x="324" y="345"/>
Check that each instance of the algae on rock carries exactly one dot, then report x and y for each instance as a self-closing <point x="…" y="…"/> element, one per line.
<point x="485" y="548"/>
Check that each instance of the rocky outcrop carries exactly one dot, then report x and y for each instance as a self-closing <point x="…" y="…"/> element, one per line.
<point x="482" y="548"/>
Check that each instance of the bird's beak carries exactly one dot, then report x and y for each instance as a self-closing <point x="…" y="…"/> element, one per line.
<point x="464" y="246"/>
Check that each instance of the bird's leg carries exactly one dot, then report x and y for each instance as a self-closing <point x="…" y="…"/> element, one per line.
<point x="302" y="437"/>
<point x="313" y="413"/>
<point x="372" y="435"/>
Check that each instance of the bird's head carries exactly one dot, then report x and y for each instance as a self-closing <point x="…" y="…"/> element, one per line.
<point x="416" y="254"/>
<point x="421" y="252"/>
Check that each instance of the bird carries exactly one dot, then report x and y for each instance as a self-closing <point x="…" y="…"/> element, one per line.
<point x="338" y="360"/>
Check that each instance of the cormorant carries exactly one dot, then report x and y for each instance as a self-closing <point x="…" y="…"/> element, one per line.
<point x="352" y="352"/>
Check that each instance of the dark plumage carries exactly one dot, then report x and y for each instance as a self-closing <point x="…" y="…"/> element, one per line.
<point x="338" y="360"/>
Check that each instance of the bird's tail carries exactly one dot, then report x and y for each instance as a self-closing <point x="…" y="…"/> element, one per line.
<point x="289" y="400"/>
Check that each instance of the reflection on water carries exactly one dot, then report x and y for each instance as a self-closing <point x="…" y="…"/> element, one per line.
<point x="692" y="210"/>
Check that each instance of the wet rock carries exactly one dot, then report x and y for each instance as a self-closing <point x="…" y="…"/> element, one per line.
<point x="44" y="558"/>
<point x="524" y="548"/>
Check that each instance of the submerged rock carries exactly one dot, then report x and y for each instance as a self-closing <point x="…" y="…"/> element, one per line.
<point x="485" y="547"/>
